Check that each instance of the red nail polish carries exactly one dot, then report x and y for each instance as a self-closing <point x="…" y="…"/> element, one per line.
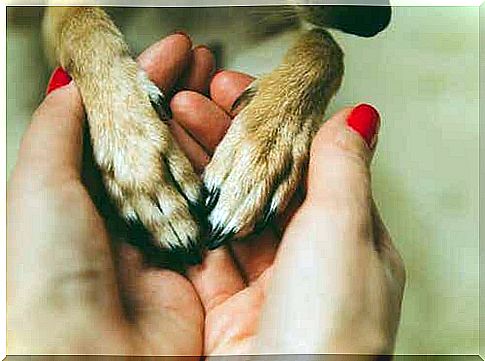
<point x="365" y="120"/>
<point x="58" y="79"/>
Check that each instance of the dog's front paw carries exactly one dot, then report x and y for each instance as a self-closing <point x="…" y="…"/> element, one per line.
<point x="145" y="172"/>
<point x="256" y="168"/>
<point x="259" y="163"/>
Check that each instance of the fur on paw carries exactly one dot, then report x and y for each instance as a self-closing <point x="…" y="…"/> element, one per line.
<point x="258" y="165"/>
<point x="255" y="169"/>
<point x="145" y="172"/>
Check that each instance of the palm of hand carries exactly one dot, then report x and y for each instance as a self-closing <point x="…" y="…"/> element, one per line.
<point x="114" y="304"/>
<point x="161" y="304"/>
<point x="229" y="285"/>
<point x="232" y="280"/>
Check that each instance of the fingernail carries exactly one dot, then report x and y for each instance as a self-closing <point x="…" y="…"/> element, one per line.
<point x="58" y="79"/>
<point x="365" y="120"/>
<point x="202" y="46"/>
<point x="181" y="32"/>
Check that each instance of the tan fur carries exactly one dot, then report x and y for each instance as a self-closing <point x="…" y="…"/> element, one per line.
<point x="255" y="169"/>
<point x="140" y="162"/>
<point x="258" y="164"/>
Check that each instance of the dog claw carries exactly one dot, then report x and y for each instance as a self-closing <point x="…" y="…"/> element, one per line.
<point x="191" y="255"/>
<point x="158" y="100"/>
<point x="211" y="200"/>
<point x="161" y="106"/>
<point x="269" y="217"/>
<point x="144" y="171"/>
<point x="246" y="96"/>
<point x="218" y="238"/>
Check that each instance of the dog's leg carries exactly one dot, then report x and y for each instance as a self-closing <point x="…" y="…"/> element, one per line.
<point x="258" y="164"/>
<point x="144" y="170"/>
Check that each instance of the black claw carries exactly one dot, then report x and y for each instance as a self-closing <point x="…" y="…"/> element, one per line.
<point x="211" y="199"/>
<point x="218" y="238"/>
<point x="194" y="254"/>
<point x="161" y="106"/>
<point x="175" y="258"/>
<point x="269" y="217"/>
<point x="186" y="256"/>
<point x="213" y="234"/>
<point x="198" y="210"/>
<point x="246" y="96"/>
<point x="204" y="192"/>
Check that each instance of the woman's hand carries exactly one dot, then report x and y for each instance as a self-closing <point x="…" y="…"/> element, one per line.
<point x="325" y="277"/>
<point x="336" y="256"/>
<point x="71" y="288"/>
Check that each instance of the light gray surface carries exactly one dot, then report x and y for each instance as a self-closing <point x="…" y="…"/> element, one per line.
<point x="422" y="74"/>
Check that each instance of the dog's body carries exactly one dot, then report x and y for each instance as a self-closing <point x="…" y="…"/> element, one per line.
<point x="255" y="169"/>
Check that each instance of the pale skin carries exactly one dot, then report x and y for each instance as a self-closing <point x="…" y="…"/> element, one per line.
<point x="325" y="277"/>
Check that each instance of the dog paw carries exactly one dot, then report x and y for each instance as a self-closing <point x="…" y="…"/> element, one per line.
<point x="259" y="163"/>
<point x="145" y="172"/>
<point x="256" y="168"/>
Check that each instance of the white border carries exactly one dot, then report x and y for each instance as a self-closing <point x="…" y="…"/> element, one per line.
<point x="3" y="110"/>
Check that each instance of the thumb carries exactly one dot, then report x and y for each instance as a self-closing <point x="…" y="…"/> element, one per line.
<point x="341" y="152"/>
<point x="334" y="224"/>
<point x="52" y="145"/>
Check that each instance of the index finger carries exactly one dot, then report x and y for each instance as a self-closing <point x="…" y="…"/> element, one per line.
<point x="166" y="60"/>
<point x="226" y="86"/>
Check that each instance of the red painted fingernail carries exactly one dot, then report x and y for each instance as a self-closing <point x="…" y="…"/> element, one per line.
<point x="58" y="79"/>
<point x="365" y="120"/>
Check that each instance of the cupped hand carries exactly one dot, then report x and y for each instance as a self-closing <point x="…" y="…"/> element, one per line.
<point x="325" y="276"/>
<point x="323" y="271"/>
<point x="71" y="288"/>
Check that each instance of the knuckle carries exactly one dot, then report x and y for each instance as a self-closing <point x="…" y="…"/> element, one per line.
<point x="184" y="99"/>
<point x="332" y="139"/>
